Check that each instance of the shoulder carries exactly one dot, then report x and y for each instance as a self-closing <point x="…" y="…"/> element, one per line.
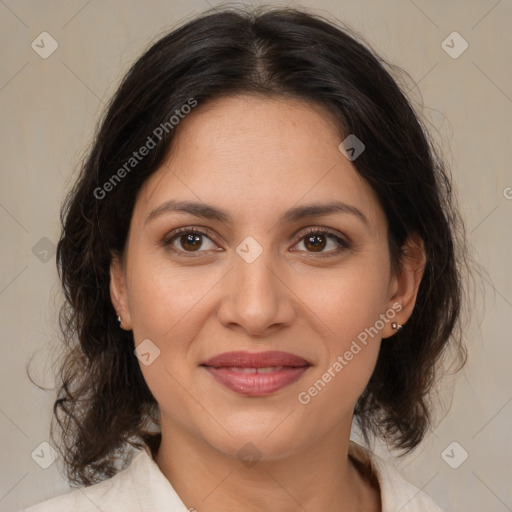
<point x="118" y="489"/>
<point x="396" y="492"/>
<point x="138" y="488"/>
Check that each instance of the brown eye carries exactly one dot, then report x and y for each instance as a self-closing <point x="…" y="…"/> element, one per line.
<point x="189" y="240"/>
<point x="322" y="242"/>
<point x="315" y="242"/>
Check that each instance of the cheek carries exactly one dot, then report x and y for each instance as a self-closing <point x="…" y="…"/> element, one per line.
<point x="164" y="300"/>
<point x="351" y="347"/>
<point x="349" y="300"/>
<point x="168" y="306"/>
<point x="348" y="306"/>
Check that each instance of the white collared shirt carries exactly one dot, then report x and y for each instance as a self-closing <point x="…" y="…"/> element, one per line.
<point x="142" y="487"/>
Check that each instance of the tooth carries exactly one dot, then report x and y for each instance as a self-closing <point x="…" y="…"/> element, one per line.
<point x="243" y="370"/>
<point x="269" y="369"/>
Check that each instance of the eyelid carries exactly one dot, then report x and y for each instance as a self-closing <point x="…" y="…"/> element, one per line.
<point x="341" y="240"/>
<point x="320" y="229"/>
<point x="186" y="229"/>
<point x="297" y="237"/>
<point x="175" y="233"/>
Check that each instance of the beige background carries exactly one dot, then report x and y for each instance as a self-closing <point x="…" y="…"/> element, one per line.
<point x="49" y="109"/>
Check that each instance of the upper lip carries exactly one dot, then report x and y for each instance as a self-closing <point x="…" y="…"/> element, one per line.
<point x="242" y="359"/>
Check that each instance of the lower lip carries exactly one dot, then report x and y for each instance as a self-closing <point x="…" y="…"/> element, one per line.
<point x="256" y="384"/>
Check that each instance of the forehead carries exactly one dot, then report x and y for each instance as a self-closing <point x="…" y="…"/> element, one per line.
<point x="253" y="125"/>
<point x="256" y="153"/>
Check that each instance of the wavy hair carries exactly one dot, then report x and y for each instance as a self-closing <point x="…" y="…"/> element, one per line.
<point x="103" y="406"/>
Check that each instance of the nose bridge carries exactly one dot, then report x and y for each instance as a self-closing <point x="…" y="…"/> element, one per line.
<point x="254" y="280"/>
<point x="255" y="276"/>
<point x="257" y="299"/>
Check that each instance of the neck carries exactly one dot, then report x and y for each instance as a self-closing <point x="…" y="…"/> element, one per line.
<point x="319" y="477"/>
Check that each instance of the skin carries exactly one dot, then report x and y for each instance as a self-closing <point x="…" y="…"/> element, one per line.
<point x="256" y="158"/>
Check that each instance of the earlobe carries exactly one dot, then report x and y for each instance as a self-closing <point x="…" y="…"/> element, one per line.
<point x="118" y="293"/>
<point x="407" y="281"/>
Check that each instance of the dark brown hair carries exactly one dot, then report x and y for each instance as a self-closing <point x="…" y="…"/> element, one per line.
<point x="104" y="406"/>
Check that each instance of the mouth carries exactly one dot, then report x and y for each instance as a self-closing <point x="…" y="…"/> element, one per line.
<point x="256" y="373"/>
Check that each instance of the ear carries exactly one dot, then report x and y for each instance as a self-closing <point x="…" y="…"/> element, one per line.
<point x="118" y="293"/>
<point x="405" y="284"/>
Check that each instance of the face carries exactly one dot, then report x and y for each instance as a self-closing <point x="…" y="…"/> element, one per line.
<point x="263" y="275"/>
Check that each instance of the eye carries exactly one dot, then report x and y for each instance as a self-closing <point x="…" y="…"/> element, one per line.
<point x="189" y="240"/>
<point x="315" y="240"/>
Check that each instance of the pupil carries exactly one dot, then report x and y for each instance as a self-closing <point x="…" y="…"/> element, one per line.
<point x="192" y="241"/>
<point x="317" y="242"/>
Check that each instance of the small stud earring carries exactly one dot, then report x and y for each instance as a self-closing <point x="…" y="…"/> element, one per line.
<point x="119" y="319"/>
<point x="396" y="326"/>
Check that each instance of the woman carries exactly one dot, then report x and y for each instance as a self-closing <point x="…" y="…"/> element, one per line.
<point x="259" y="251"/>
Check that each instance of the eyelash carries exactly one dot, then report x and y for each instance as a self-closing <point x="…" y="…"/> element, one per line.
<point x="342" y="244"/>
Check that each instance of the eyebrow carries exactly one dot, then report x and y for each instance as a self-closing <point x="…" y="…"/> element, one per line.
<point x="295" y="214"/>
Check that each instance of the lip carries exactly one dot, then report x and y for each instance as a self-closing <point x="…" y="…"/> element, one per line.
<point x="244" y="359"/>
<point x="238" y="371"/>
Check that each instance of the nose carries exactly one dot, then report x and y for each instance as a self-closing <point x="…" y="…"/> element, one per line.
<point x="256" y="298"/>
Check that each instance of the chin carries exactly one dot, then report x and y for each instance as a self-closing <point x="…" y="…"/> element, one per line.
<point x="258" y="438"/>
